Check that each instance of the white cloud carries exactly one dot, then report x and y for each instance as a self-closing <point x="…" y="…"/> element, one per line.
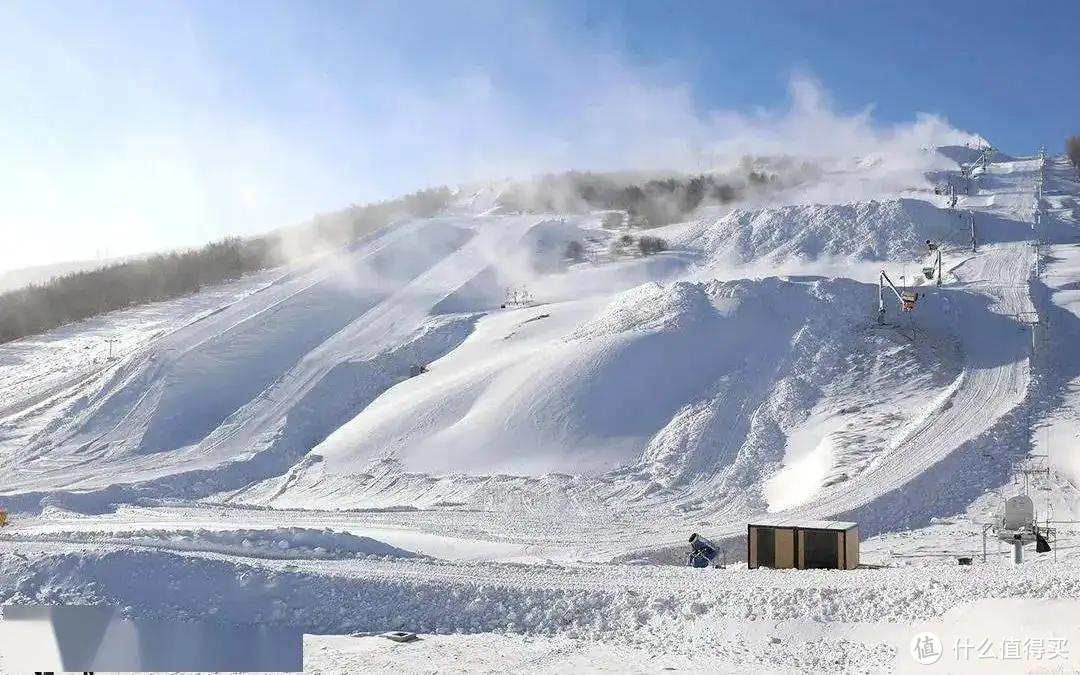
<point x="160" y="127"/>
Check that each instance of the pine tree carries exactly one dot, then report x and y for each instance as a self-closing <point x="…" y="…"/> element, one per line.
<point x="1072" y="149"/>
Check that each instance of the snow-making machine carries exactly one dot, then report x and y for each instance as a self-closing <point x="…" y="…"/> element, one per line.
<point x="907" y="298"/>
<point x="702" y="552"/>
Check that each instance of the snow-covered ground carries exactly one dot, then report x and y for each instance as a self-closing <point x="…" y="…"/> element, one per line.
<point x="264" y="449"/>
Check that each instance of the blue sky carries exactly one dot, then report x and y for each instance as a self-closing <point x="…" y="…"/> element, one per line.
<point x="129" y="127"/>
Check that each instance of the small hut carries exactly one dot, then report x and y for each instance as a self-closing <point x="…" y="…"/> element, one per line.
<point x="811" y="544"/>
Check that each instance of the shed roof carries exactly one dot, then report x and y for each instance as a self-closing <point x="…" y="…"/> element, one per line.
<point x="803" y="524"/>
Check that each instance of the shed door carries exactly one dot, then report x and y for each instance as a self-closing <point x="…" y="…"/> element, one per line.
<point x="766" y="547"/>
<point x="820" y="550"/>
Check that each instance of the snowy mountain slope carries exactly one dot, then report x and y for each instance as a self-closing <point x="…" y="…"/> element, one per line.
<point x="993" y="381"/>
<point x="280" y="375"/>
<point x="695" y="350"/>
<point x="35" y="365"/>
<point x="636" y="400"/>
<point x="677" y="346"/>
<point x="171" y="394"/>
<point x="1058" y="294"/>
<point x="967" y="154"/>
<point x="965" y="394"/>
<point x="706" y="435"/>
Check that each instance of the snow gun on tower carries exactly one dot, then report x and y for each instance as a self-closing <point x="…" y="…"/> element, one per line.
<point x="907" y="298"/>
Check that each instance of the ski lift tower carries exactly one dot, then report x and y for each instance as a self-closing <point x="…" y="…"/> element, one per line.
<point x="966" y="176"/>
<point x="1031" y="321"/>
<point x="110" y="342"/>
<point x="934" y="269"/>
<point x="1031" y="471"/>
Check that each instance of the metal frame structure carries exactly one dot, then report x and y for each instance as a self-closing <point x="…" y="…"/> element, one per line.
<point x="935" y="267"/>
<point x="907" y="299"/>
<point x="1029" y="532"/>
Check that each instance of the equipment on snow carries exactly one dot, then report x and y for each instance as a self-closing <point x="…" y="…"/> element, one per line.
<point x="929" y="270"/>
<point x="703" y="552"/>
<point x="400" y="636"/>
<point x="907" y="298"/>
<point x="1041" y="544"/>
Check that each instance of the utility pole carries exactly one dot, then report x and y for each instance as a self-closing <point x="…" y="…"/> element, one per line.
<point x="1032" y="323"/>
<point x="971" y="222"/>
<point x="1036" y="221"/>
<point x="110" y="342"/>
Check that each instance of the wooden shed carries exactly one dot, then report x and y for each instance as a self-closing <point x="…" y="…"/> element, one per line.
<point x="810" y="544"/>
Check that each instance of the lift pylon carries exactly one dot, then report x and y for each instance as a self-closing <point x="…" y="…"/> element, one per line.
<point x="934" y="269"/>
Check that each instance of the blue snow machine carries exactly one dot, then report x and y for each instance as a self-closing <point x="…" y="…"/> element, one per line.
<point x="703" y="552"/>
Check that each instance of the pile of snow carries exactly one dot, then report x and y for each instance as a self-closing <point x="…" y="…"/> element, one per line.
<point x="662" y="610"/>
<point x="276" y="543"/>
<point x="649" y="307"/>
<point x="966" y="154"/>
<point x="663" y="385"/>
<point x="889" y="230"/>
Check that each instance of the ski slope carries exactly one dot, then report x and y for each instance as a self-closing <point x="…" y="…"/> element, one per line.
<point x="273" y="425"/>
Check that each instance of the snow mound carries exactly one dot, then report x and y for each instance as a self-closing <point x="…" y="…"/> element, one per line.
<point x="277" y="543"/>
<point x="894" y="229"/>
<point x="649" y="307"/>
<point x="966" y="154"/>
<point x="664" y="386"/>
<point x="563" y="408"/>
<point x="650" y="606"/>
